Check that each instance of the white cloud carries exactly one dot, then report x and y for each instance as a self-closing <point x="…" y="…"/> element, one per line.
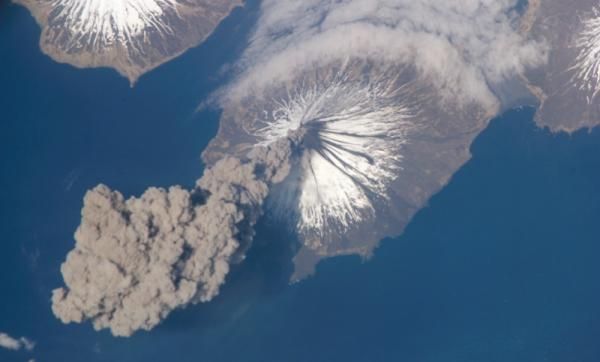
<point x="460" y="45"/>
<point x="15" y="344"/>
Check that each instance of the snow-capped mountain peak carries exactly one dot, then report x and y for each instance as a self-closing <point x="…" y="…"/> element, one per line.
<point x="131" y="36"/>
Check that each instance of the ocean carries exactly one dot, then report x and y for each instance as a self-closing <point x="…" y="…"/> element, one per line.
<point x="500" y="266"/>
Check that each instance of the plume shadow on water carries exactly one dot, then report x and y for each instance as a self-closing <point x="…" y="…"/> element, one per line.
<point x="265" y="272"/>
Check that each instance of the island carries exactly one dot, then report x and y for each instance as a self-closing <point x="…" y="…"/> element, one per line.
<point x="377" y="140"/>
<point x="381" y="133"/>
<point x="132" y="37"/>
<point x="568" y="85"/>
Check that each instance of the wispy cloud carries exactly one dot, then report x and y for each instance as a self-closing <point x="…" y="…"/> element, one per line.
<point x="460" y="45"/>
<point x="15" y="344"/>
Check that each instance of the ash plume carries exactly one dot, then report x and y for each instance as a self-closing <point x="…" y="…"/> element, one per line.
<point x="136" y="260"/>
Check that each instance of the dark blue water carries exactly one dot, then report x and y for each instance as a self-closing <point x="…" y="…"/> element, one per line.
<point x="502" y="266"/>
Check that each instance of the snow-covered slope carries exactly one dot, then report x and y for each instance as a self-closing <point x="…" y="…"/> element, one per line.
<point x="132" y="36"/>
<point x="353" y="132"/>
<point x="587" y="63"/>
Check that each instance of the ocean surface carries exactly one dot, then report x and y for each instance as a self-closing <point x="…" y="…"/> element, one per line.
<point x="502" y="266"/>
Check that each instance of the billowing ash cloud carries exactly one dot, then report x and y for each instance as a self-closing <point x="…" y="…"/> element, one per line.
<point x="15" y="344"/>
<point x="460" y="45"/>
<point x="136" y="260"/>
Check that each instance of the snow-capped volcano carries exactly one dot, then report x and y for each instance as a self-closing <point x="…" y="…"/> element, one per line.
<point x="132" y="36"/>
<point x="352" y="133"/>
<point x="587" y="63"/>
<point x="111" y="22"/>
<point x="568" y="85"/>
<point x="374" y="140"/>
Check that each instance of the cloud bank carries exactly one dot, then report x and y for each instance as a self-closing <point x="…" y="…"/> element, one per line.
<point x="463" y="46"/>
<point x="15" y="344"/>
<point x="136" y="260"/>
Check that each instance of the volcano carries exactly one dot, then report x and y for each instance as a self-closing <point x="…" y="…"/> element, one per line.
<point x="131" y="36"/>
<point x="376" y="141"/>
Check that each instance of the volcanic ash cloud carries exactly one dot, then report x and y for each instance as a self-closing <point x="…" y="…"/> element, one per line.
<point x="136" y="260"/>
